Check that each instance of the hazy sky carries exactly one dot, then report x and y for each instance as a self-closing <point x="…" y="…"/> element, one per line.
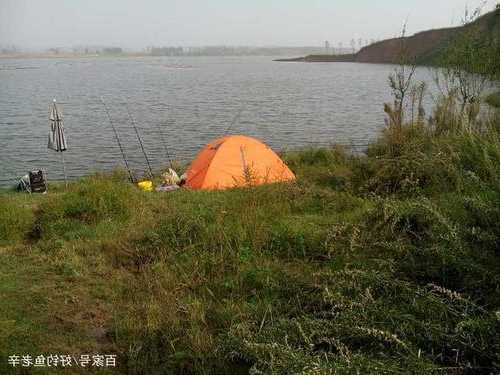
<point x="138" y="23"/>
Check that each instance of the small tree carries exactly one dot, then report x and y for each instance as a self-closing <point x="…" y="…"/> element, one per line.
<point x="468" y="66"/>
<point x="400" y="82"/>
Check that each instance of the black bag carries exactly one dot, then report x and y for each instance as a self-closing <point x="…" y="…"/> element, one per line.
<point x="38" y="183"/>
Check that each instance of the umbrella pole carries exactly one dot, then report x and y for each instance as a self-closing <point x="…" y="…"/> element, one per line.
<point x="64" y="169"/>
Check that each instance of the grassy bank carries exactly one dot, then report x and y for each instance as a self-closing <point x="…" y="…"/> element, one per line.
<point x="385" y="263"/>
<point x="494" y="99"/>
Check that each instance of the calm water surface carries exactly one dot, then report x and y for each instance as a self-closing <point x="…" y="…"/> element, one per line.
<point x="189" y="100"/>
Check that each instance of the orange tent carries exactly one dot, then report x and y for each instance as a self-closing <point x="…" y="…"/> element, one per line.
<point x="235" y="161"/>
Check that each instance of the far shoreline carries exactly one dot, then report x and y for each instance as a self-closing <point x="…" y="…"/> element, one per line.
<point x="30" y="56"/>
<point x="350" y="58"/>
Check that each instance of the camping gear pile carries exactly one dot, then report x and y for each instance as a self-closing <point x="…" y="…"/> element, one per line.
<point x="228" y="162"/>
<point x="33" y="182"/>
<point x="170" y="177"/>
<point x="170" y="181"/>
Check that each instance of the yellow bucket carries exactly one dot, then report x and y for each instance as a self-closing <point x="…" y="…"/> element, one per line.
<point x="145" y="185"/>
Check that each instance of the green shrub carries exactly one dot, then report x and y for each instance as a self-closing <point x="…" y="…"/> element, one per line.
<point x="410" y="162"/>
<point x="478" y="158"/>
<point x="299" y="238"/>
<point x="494" y="99"/>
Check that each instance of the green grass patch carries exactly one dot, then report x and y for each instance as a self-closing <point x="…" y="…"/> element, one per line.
<point x="494" y="100"/>
<point x="16" y="218"/>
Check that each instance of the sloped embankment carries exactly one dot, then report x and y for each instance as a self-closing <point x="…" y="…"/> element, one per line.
<point x="426" y="46"/>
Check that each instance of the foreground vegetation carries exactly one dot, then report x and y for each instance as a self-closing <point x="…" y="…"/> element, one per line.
<point x="384" y="263"/>
<point x="494" y="99"/>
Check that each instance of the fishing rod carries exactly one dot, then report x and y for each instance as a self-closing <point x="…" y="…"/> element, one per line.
<point x="162" y="136"/>
<point x="131" y="176"/>
<point x="140" y="140"/>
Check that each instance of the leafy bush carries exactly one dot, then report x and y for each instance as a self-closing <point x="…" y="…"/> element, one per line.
<point x="494" y="99"/>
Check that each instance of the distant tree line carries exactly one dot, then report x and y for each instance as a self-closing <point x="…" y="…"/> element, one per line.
<point x="8" y="50"/>
<point x="112" y="50"/>
<point x="167" y="51"/>
<point x="233" y="51"/>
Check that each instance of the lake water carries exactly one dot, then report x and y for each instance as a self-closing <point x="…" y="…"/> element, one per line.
<point x="188" y="100"/>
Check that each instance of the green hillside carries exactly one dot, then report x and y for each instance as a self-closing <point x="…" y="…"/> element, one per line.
<point x="486" y="29"/>
<point x="426" y="48"/>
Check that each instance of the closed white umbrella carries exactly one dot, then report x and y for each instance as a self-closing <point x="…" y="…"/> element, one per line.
<point x="57" y="139"/>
